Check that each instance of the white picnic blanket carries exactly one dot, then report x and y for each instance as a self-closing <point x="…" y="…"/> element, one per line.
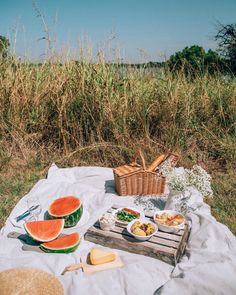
<point x="208" y="267"/>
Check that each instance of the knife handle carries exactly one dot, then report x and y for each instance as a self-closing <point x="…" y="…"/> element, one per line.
<point x="72" y="267"/>
<point x="19" y="218"/>
<point x="26" y="213"/>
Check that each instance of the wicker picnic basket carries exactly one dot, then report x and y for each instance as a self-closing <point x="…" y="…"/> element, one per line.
<point x="134" y="179"/>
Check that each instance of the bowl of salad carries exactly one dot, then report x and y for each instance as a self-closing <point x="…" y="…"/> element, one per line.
<point x="127" y="214"/>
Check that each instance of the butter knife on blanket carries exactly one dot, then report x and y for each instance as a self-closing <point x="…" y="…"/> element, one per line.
<point x="26" y="213"/>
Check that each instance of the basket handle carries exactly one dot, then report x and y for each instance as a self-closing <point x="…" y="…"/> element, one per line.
<point x="140" y="154"/>
<point x="156" y="163"/>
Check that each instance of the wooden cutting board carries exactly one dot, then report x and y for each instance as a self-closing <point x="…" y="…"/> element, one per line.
<point x="28" y="243"/>
<point x="89" y="268"/>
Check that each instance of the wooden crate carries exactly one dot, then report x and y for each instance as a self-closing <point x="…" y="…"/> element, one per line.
<point x="168" y="247"/>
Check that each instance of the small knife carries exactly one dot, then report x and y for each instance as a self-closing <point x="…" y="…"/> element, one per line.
<point x="26" y="213"/>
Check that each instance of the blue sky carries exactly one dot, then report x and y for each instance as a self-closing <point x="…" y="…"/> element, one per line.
<point x="136" y="30"/>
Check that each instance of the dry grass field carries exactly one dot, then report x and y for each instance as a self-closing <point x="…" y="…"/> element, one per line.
<point x="83" y="113"/>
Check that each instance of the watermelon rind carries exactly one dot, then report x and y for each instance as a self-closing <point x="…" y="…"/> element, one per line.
<point x="64" y="250"/>
<point x="38" y="238"/>
<point x="71" y="219"/>
<point x="69" y="249"/>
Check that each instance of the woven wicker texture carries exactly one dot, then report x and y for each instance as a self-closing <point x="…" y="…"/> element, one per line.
<point x="134" y="179"/>
<point x="29" y="281"/>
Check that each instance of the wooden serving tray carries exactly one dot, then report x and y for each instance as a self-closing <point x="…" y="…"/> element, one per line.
<point x="168" y="247"/>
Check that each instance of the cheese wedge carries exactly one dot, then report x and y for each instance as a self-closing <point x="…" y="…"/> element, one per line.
<point x="98" y="256"/>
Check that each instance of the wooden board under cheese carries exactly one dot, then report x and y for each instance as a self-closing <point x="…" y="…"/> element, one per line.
<point x="89" y="268"/>
<point x="103" y="260"/>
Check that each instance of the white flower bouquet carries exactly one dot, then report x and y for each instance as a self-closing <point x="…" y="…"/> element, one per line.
<point x="180" y="178"/>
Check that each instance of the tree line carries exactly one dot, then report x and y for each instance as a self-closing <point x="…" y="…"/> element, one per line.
<point x="192" y="59"/>
<point x="195" y="59"/>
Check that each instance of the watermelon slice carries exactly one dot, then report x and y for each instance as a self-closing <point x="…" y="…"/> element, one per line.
<point x="44" y="230"/>
<point x="66" y="244"/>
<point x="69" y="208"/>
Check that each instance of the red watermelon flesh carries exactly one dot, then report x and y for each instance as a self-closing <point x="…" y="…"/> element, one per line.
<point x="44" y="230"/>
<point x="66" y="244"/>
<point x="64" y="206"/>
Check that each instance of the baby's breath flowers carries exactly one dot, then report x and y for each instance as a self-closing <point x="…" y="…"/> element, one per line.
<point x="180" y="178"/>
<point x="199" y="178"/>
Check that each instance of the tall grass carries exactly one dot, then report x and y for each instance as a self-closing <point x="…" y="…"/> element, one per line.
<point x="99" y="113"/>
<point x="72" y="104"/>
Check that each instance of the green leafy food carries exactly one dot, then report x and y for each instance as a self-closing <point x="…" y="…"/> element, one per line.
<point x="125" y="216"/>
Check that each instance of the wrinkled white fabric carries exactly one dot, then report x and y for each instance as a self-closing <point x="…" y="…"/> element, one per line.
<point x="208" y="267"/>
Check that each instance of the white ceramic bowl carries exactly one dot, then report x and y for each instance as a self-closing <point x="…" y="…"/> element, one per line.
<point x="107" y="222"/>
<point x="141" y="238"/>
<point x="169" y="228"/>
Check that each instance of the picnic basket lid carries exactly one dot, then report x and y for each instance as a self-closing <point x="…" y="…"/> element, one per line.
<point x="134" y="167"/>
<point x="29" y="281"/>
<point x="127" y="169"/>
